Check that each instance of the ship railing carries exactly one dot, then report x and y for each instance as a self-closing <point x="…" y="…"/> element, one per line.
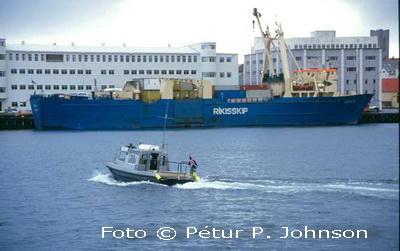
<point x="179" y="167"/>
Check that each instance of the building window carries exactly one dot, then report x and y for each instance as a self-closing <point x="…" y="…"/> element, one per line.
<point x="115" y="58"/>
<point x="64" y="87"/>
<point x="80" y="72"/>
<point x="134" y="72"/>
<point x="104" y="58"/>
<point x="148" y="72"/>
<point x="10" y="56"/>
<point x="222" y="60"/>
<point x="141" y="72"/>
<point x="13" y="71"/>
<point x="186" y="72"/>
<point x="16" y="57"/>
<point x="127" y="58"/>
<point x="79" y="58"/>
<point x="111" y="72"/>
<point x="14" y="104"/>
<point x="88" y="72"/>
<point x="36" y="56"/>
<point x="370" y="57"/>
<point x="178" y="72"/>
<point x="72" y="87"/>
<point x="111" y="86"/>
<point x="172" y="59"/>
<point x="144" y="58"/>
<point x="55" y="71"/>
<point x="56" y="87"/>
<point x="31" y="87"/>
<point x="21" y="71"/>
<point x="47" y="87"/>
<point x="85" y="58"/>
<point x="370" y="68"/>
<point x="126" y="72"/>
<point x="171" y="72"/>
<point x="222" y="74"/>
<point x="103" y="87"/>
<point x="2" y="73"/>
<point x="38" y="71"/>
<point x="47" y="71"/>
<point x="133" y="58"/>
<point x="332" y="58"/>
<point x="30" y="71"/>
<point x="228" y="59"/>
<point x="88" y="87"/>
<point x="351" y="57"/>
<point x="121" y="58"/>
<point x="64" y="71"/>
<point x="194" y="72"/>
<point x="2" y="89"/>
<point x="103" y="72"/>
<point x="150" y="58"/>
<point x="39" y="87"/>
<point x="178" y="59"/>
<point x="109" y="58"/>
<point x="51" y="58"/>
<point x="73" y="58"/>
<point x="229" y="74"/>
<point x="298" y="58"/>
<point x="156" y="72"/>
<point x="80" y="87"/>
<point x="351" y="68"/>
<point x="139" y="59"/>
<point x="23" y="57"/>
<point x="14" y="87"/>
<point x="91" y="58"/>
<point x="209" y="74"/>
<point x="167" y="59"/>
<point x="209" y="59"/>
<point x="98" y="58"/>
<point x="72" y="72"/>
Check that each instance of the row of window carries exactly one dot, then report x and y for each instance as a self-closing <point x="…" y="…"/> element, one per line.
<point x="330" y="58"/>
<point x="125" y="72"/>
<point x="334" y="46"/>
<point x="366" y="81"/>
<point x="113" y="58"/>
<point x="348" y="69"/>
<point x="55" y="87"/>
<point x="102" y="72"/>
<point x="366" y="69"/>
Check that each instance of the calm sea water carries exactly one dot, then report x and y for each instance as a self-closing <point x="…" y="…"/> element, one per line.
<point x="56" y="194"/>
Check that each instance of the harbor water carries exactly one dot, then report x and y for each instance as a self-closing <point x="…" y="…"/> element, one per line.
<point x="261" y="188"/>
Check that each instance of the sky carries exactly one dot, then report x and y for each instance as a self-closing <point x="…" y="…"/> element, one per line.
<point x="159" y="23"/>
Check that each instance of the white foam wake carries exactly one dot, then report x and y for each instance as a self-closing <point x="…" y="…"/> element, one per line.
<point x="109" y="180"/>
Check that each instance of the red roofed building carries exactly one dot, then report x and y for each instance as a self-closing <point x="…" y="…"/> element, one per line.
<point x="390" y="92"/>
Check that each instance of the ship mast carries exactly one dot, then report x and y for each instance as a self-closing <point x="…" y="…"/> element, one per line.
<point x="267" y="39"/>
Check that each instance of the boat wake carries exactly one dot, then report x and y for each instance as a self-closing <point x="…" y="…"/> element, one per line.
<point x="108" y="179"/>
<point x="367" y="189"/>
<point x="383" y="190"/>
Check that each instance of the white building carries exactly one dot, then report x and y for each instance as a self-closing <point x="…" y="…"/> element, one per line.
<point x="25" y="69"/>
<point x="358" y="60"/>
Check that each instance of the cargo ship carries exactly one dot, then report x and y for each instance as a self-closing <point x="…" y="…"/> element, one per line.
<point x="308" y="98"/>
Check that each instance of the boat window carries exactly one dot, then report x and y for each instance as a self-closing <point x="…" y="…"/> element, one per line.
<point x="121" y="156"/>
<point x="144" y="158"/>
<point x="132" y="159"/>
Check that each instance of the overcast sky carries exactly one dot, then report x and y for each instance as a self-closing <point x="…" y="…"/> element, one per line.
<point x="157" y="23"/>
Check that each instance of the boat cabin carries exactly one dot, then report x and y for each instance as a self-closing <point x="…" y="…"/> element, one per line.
<point x="143" y="157"/>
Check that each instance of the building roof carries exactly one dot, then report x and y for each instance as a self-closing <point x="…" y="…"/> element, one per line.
<point x="390" y="85"/>
<point x="97" y="49"/>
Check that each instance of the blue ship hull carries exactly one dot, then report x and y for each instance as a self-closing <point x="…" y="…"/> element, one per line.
<point x="98" y="114"/>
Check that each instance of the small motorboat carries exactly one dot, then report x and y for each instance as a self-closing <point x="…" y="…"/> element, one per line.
<point x="146" y="162"/>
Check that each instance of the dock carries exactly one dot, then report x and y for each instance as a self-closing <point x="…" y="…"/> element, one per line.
<point x="379" y="117"/>
<point x="16" y="122"/>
